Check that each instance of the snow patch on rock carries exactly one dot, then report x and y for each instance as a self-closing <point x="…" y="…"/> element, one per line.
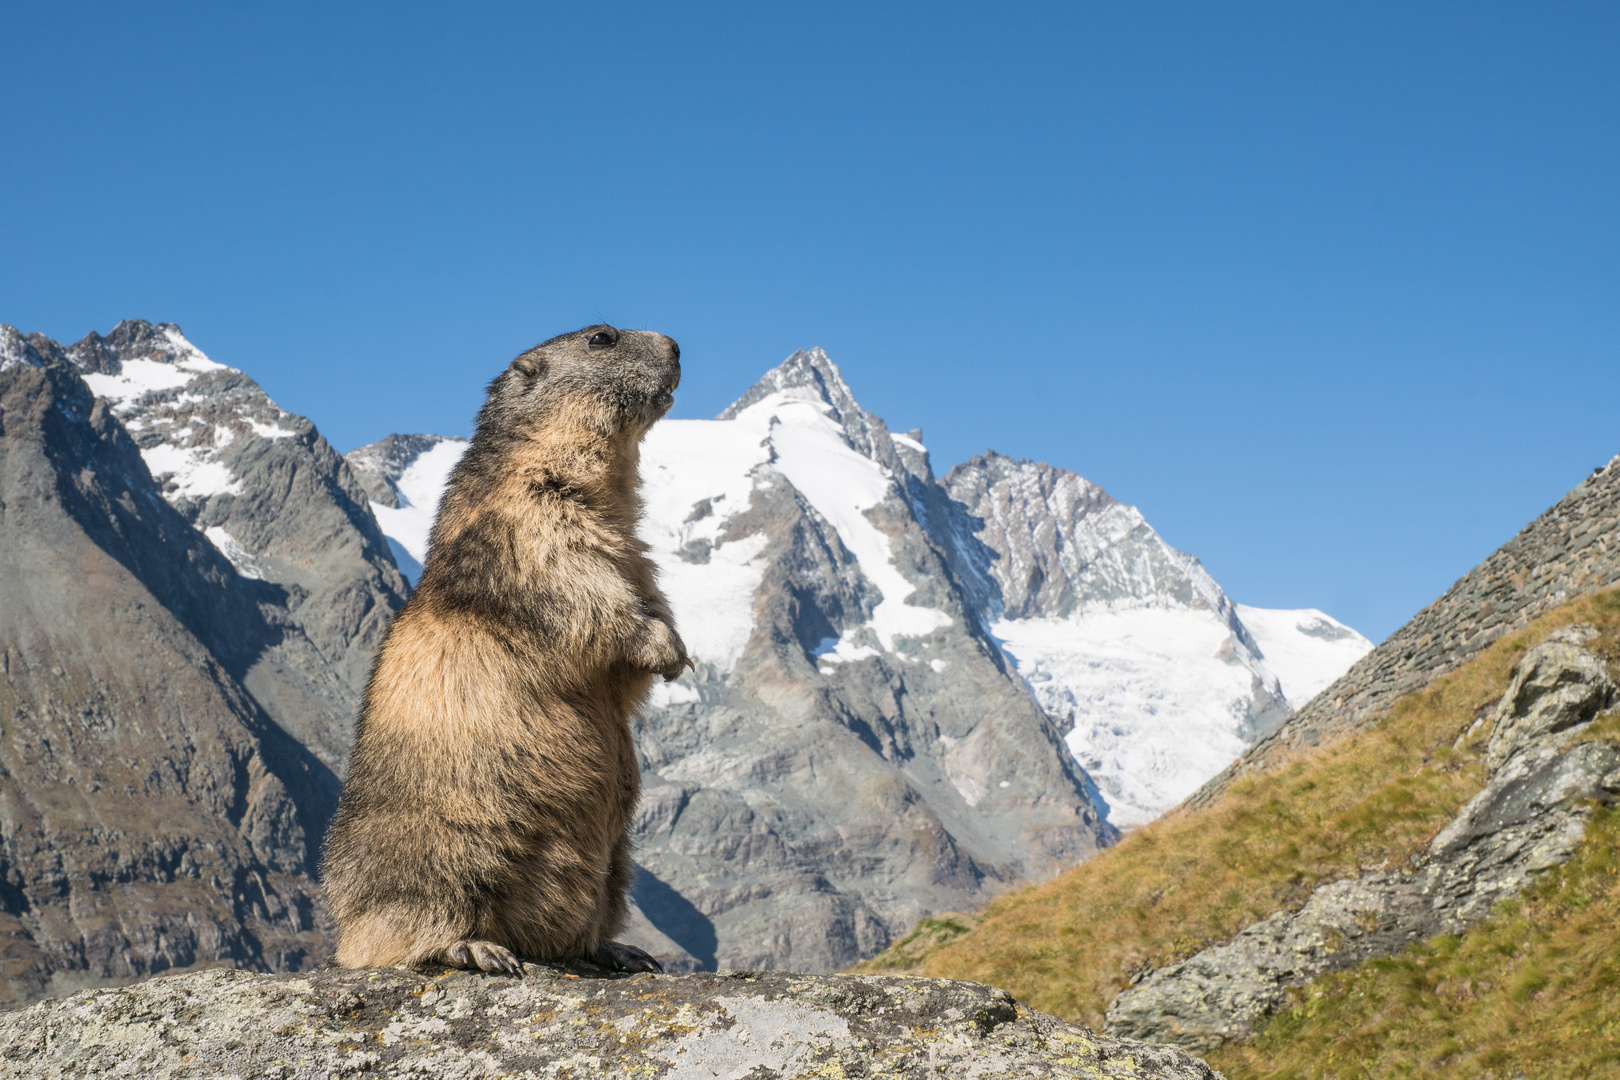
<point x="842" y="484"/>
<point x="418" y="490"/>
<point x="238" y="555"/>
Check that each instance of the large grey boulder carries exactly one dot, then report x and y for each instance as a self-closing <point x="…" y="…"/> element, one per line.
<point x="556" y="1022"/>
<point x="1558" y="685"/>
<point x="1529" y="818"/>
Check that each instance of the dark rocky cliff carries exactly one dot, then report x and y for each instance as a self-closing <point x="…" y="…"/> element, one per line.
<point x="153" y="815"/>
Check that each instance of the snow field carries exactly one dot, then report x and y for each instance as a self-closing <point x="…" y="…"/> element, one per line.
<point x="1305" y="648"/>
<point x="1156" y="711"/>
<point x="1157" y="699"/>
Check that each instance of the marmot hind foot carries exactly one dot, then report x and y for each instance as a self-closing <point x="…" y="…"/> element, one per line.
<point x="617" y="956"/>
<point x="480" y="956"/>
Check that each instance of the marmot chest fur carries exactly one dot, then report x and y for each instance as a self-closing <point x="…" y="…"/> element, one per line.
<point x="486" y="813"/>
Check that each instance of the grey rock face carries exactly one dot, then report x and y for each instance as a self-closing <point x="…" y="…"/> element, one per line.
<point x="556" y="1022"/>
<point x="1529" y="818"/>
<point x="1558" y="685"/>
<point x="1572" y="550"/>
<point x="278" y="502"/>
<point x="152" y="816"/>
<point x="1056" y="542"/>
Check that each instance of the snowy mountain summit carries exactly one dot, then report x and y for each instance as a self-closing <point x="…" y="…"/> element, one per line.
<point x="1157" y="677"/>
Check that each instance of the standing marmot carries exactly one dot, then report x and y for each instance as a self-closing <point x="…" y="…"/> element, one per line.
<point x="486" y="814"/>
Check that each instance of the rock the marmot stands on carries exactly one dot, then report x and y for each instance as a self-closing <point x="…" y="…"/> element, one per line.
<point x="565" y="1023"/>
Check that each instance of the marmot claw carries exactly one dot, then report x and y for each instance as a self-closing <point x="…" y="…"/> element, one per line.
<point x="480" y="956"/>
<point x="617" y="956"/>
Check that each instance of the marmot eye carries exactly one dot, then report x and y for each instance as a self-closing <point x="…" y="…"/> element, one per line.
<point x="602" y="339"/>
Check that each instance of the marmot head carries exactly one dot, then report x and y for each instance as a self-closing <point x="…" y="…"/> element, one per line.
<point x="617" y="382"/>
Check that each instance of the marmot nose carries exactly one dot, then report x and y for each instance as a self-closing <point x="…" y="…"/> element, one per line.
<point x="674" y="346"/>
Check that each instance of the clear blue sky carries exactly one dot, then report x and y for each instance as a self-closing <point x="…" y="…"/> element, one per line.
<point x="1328" y="290"/>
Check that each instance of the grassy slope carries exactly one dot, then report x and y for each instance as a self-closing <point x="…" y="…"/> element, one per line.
<point x="1191" y="879"/>
<point x="1535" y="991"/>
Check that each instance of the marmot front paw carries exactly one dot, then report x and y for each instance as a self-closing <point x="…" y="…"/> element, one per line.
<point x="617" y="956"/>
<point x="662" y="651"/>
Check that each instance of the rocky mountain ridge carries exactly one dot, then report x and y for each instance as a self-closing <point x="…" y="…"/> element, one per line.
<point x="1567" y="552"/>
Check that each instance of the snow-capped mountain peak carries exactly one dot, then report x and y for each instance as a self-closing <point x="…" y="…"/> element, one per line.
<point x="810" y="375"/>
<point x="1160" y="678"/>
<point x="16" y="350"/>
<point x="193" y="418"/>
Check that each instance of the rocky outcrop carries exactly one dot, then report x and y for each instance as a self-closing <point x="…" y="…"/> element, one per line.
<point x="1558" y="685"/>
<point x="1529" y="818"/>
<point x="562" y="1023"/>
<point x="152" y="815"/>
<point x="1571" y="550"/>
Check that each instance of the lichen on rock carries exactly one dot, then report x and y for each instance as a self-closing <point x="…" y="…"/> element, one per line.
<point x="565" y="1023"/>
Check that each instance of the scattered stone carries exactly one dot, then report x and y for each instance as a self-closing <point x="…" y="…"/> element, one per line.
<point x="1558" y="685"/>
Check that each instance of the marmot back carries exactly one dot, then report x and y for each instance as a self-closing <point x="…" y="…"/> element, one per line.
<point x="486" y="814"/>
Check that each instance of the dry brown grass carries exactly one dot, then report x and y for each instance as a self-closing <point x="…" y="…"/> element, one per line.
<point x="1193" y="878"/>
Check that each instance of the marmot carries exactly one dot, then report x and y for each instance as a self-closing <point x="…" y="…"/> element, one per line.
<point x="486" y="813"/>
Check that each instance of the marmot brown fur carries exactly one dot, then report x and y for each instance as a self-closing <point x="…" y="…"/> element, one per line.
<point x="486" y="813"/>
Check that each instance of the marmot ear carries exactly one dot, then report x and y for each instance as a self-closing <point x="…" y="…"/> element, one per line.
<point x="531" y="364"/>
